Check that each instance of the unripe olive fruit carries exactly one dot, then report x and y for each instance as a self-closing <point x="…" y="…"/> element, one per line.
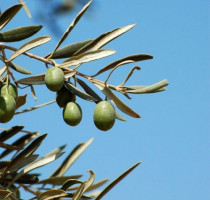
<point x="7" y="108"/>
<point x="104" y="116"/>
<point x="72" y="114"/>
<point x="54" y="79"/>
<point x="64" y="96"/>
<point x="12" y="90"/>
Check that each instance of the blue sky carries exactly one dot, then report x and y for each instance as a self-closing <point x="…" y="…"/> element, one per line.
<point x="172" y="137"/>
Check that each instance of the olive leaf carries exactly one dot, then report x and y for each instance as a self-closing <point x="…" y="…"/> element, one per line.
<point x="78" y="92"/>
<point x="157" y="87"/>
<point x="58" y="180"/>
<point x="9" y="147"/>
<point x="19" y="33"/>
<point x="134" y="58"/>
<point x="8" y="14"/>
<point x="34" y="80"/>
<point x="71" y="158"/>
<point x="19" y="68"/>
<point x="8" y="133"/>
<point x="87" y="57"/>
<point x="2" y="70"/>
<point x="115" y="100"/>
<point x="51" y="194"/>
<point x="26" y="8"/>
<point x="72" y="25"/>
<point x="21" y="142"/>
<point x="69" y="183"/>
<point x="103" y="39"/>
<point x="69" y="50"/>
<point x="84" y="186"/>
<point x="20" y="101"/>
<point x="4" y="193"/>
<point x="116" y="181"/>
<point x="30" y="45"/>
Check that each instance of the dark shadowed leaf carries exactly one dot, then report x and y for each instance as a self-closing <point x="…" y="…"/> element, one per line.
<point x="87" y="57"/>
<point x="30" y="45"/>
<point x="104" y="39"/>
<point x="6" y="134"/>
<point x="20" y="101"/>
<point x="26" y="152"/>
<point x="69" y="183"/>
<point x="84" y="186"/>
<point x="115" y="100"/>
<point x="89" y="90"/>
<point x="69" y="50"/>
<point x="51" y="194"/>
<point x="19" y="33"/>
<point x="8" y="14"/>
<point x="71" y="158"/>
<point x="79" y="92"/>
<point x="134" y="58"/>
<point x="72" y="25"/>
<point x="25" y="161"/>
<point x="9" y="147"/>
<point x="58" y="180"/>
<point x="4" y="193"/>
<point x="21" y="142"/>
<point x="116" y="181"/>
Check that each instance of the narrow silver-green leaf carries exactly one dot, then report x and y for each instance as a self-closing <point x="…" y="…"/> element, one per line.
<point x="84" y="186"/>
<point x="51" y="194"/>
<point x="69" y="50"/>
<point x="33" y="80"/>
<point x="87" y="57"/>
<point x="19" y="68"/>
<point x="92" y="187"/>
<point x="72" y="25"/>
<point x="71" y="158"/>
<point x="8" y="14"/>
<point x="35" y="107"/>
<point x="69" y="183"/>
<point x="134" y="58"/>
<point x="2" y="70"/>
<point x="116" y="181"/>
<point x="30" y="45"/>
<point x="157" y="87"/>
<point x="103" y="39"/>
<point x="119" y="117"/>
<point x="55" y="151"/>
<point x="79" y="92"/>
<point x="19" y="33"/>
<point x="26" y="8"/>
<point x="115" y="100"/>
<point x="58" y="180"/>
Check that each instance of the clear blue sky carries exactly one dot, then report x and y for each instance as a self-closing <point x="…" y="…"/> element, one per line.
<point x="172" y="137"/>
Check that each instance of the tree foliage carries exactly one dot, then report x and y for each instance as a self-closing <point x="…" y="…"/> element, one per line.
<point x="62" y="77"/>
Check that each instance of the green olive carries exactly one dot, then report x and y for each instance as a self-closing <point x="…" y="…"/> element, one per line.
<point x="7" y="108"/>
<point x="72" y="114"/>
<point x="54" y="79"/>
<point x="12" y="90"/>
<point x="104" y="115"/>
<point x="64" y="96"/>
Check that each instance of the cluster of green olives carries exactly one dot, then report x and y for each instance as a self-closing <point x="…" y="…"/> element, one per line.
<point x="8" y="96"/>
<point x="104" y="113"/>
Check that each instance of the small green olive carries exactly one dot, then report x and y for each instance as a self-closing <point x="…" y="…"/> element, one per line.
<point x="7" y="108"/>
<point x="54" y="79"/>
<point x="72" y="114"/>
<point x="64" y="96"/>
<point x="104" y="116"/>
<point x="12" y="90"/>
